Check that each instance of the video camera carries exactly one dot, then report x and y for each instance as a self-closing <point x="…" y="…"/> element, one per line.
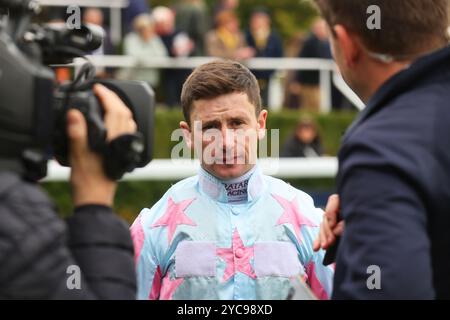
<point x="33" y="107"/>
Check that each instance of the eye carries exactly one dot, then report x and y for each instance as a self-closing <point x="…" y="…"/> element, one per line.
<point x="237" y="122"/>
<point x="208" y="127"/>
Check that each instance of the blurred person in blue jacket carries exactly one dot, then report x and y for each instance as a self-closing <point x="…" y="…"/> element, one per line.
<point x="134" y="9"/>
<point x="178" y="45"/>
<point x="267" y="44"/>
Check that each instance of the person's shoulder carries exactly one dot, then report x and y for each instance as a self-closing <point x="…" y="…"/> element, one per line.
<point x="288" y="195"/>
<point x="401" y="136"/>
<point x="131" y="38"/>
<point x="287" y="191"/>
<point x="275" y="35"/>
<point x="24" y="207"/>
<point x="211" y="35"/>
<point x="19" y="191"/>
<point x="181" y="191"/>
<point x="185" y="185"/>
<point x="404" y="121"/>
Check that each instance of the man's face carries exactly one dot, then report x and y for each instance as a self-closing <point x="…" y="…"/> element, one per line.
<point x="260" y="22"/>
<point x="306" y="134"/>
<point x="224" y="132"/>
<point x="232" y="26"/>
<point x="94" y="16"/>
<point x="146" y="32"/>
<point x="165" y="26"/>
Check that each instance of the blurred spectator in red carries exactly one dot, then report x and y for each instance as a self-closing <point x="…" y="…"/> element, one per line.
<point x="266" y="43"/>
<point x="226" y="40"/>
<point x="178" y="44"/>
<point x="305" y="142"/>
<point x="192" y="17"/>
<point x="143" y="44"/>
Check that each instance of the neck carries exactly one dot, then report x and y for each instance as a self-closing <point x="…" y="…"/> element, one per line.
<point x="381" y="73"/>
<point x="249" y="172"/>
<point x="239" y="190"/>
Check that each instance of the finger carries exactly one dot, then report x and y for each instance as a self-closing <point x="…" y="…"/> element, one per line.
<point x="119" y="123"/>
<point x="339" y="229"/>
<point x="108" y="98"/>
<point x="316" y="244"/>
<point x="322" y="236"/>
<point x="132" y="126"/>
<point x="118" y="117"/>
<point x="76" y="132"/>
<point x="332" y="210"/>
<point x="328" y="233"/>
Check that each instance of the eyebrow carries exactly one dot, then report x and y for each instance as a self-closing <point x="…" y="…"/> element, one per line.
<point x="210" y="123"/>
<point x="239" y="119"/>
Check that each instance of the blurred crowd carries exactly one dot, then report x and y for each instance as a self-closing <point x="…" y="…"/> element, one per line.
<point x="190" y="29"/>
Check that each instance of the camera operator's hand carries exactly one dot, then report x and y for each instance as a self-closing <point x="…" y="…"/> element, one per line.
<point x="90" y="185"/>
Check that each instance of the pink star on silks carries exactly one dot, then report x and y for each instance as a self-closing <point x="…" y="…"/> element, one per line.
<point x="237" y="258"/>
<point x="163" y="288"/>
<point x="174" y="216"/>
<point x="292" y="215"/>
<point x="137" y="234"/>
<point x="169" y="287"/>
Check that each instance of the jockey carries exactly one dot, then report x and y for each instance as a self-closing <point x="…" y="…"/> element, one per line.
<point x="230" y="232"/>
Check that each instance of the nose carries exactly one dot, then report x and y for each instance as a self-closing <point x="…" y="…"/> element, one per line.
<point x="228" y="138"/>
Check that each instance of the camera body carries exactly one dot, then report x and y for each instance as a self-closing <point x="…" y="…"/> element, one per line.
<point x="33" y="107"/>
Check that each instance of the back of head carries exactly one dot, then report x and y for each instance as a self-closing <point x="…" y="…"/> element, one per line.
<point x="409" y="28"/>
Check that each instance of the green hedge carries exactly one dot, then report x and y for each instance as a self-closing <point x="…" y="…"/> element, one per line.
<point x="133" y="196"/>
<point x="331" y="126"/>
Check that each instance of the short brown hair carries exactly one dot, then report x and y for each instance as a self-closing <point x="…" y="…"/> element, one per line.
<point x="409" y="27"/>
<point x="217" y="78"/>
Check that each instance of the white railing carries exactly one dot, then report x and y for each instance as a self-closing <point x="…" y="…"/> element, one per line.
<point x="115" y="6"/>
<point x="324" y="66"/>
<point x="166" y="169"/>
<point x="85" y="3"/>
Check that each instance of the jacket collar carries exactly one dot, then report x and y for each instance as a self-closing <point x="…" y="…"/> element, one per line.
<point x="214" y="188"/>
<point x="400" y="83"/>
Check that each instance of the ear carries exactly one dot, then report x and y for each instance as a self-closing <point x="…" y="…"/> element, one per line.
<point x="348" y="44"/>
<point x="262" y="121"/>
<point x="187" y="133"/>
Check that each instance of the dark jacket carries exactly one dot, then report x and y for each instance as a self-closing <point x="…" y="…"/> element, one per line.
<point x="273" y="49"/>
<point x="394" y="183"/>
<point x="37" y="248"/>
<point x="313" y="48"/>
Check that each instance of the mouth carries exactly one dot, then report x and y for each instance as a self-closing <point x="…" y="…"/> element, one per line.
<point x="232" y="161"/>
